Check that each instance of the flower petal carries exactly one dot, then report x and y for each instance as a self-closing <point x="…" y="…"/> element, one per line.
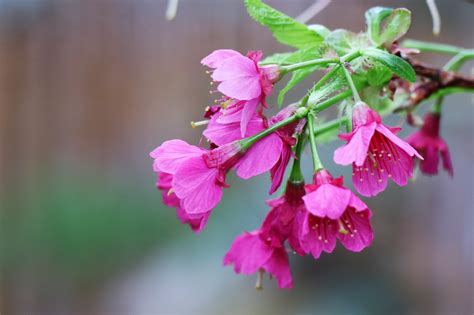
<point x="195" y="184"/>
<point x="218" y="57"/>
<point x="360" y="234"/>
<point x="397" y="141"/>
<point x="355" y="151"/>
<point x="328" y="201"/>
<point x="260" y="158"/>
<point x="171" y="154"/>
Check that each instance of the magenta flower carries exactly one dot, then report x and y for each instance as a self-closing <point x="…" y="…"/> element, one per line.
<point x="240" y="78"/>
<point x="280" y="223"/>
<point x="333" y="212"/>
<point x="271" y="153"/>
<point x="196" y="222"/>
<point x="198" y="174"/>
<point x="375" y="152"/>
<point x="261" y="157"/>
<point x="429" y="143"/>
<point x="250" y="253"/>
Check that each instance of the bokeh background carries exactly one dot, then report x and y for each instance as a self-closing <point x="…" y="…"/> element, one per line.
<point x="89" y="88"/>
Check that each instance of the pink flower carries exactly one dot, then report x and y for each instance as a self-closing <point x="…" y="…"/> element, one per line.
<point x="271" y="153"/>
<point x="280" y="223"/>
<point x="375" y="152"/>
<point x="198" y="174"/>
<point x="250" y="253"/>
<point x="261" y="157"/>
<point x="333" y="212"/>
<point x="197" y="222"/>
<point x="240" y="78"/>
<point x="428" y="142"/>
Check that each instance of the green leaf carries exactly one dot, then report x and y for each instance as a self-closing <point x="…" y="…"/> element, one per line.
<point x="386" y="25"/>
<point x="296" y="77"/>
<point x="320" y="29"/>
<point x="285" y="29"/>
<point x="378" y="74"/>
<point x="396" y="64"/>
<point x="343" y="41"/>
<point x="293" y="57"/>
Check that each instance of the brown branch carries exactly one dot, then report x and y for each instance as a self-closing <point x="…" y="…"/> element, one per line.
<point x="430" y="81"/>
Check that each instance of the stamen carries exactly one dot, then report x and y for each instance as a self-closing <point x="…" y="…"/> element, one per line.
<point x="259" y="284"/>
<point x="342" y="229"/>
<point x="170" y="192"/>
<point x="194" y="124"/>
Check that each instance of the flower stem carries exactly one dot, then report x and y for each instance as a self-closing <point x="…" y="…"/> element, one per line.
<point x="248" y="142"/>
<point x="309" y="63"/>
<point x="317" y="165"/>
<point x="432" y="47"/>
<point x="329" y="126"/>
<point x="355" y="94"/>
<point x="296" y="176"/>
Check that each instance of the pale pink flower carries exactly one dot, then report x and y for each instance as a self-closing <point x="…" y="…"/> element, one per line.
<point x="429" y="143"/>
<point x="375" y="152"/>
<point x="240" y="78"/>
<point x="333" y="212"/>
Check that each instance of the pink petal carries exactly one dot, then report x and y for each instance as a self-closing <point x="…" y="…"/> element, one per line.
<point x="366" y="184"/>
<point x="318" y="235"/>
<point x="357" y="204"/>
<point x="360" y="234"/>
<point x="218" y="57"/>
<point x="239" y="78"/>
<point x="397" y="141"/>
<point x="431" y="159"/>
<point x="197" y="223"/>
<point x="248" y="253"/>
<point x="328" y="201"/>
<point x="260" y="158"/>
<point x="171" y="154"/>
<point x="279" y="267"/>
<point x="278" y="171"/>
<point x="447" y="165"/>
<point x="248" y="112"/>
<point x="195" y="183"/>
<point x="356" y="150"/>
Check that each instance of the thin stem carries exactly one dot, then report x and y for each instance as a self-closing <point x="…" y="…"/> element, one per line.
<point x="317" y="165"/>
<point x="296" y="176"/>
<point x="355" y="94"/>
<point x="248" y="142"/>
<point x="309" y="63"/>
<point x="333" y="100"/>
<point x="329" y="126"/>
<point x="455" y="63"/>
<point x="432" y="47"/>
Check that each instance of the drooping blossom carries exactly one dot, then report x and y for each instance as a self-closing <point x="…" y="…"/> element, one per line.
<point x="242" y="80"/>
<point x="264" y="249"/>
<point x="333" y="212"/>
<point x="271" y="153"/>
<point x="250" y="253"/>
<point x="198" y="174"/>
<point x="375" y="152"/>
<point x="196" y="222"/>
<point x="430" y="145"/>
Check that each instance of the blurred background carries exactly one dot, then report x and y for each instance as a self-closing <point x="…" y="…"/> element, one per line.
<point x="89" y="88"/>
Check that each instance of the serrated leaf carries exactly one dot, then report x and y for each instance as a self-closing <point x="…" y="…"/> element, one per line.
<point x="344" y="41"/>
<point x="386" y="25"/>
<point x="296" y="77"/>
<point x="293" y="57"/>
<point x="396" y="64"/>
<point x="285" y="29"/>
<point x="378" y="74"/>
<point x="320" y="29"/>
